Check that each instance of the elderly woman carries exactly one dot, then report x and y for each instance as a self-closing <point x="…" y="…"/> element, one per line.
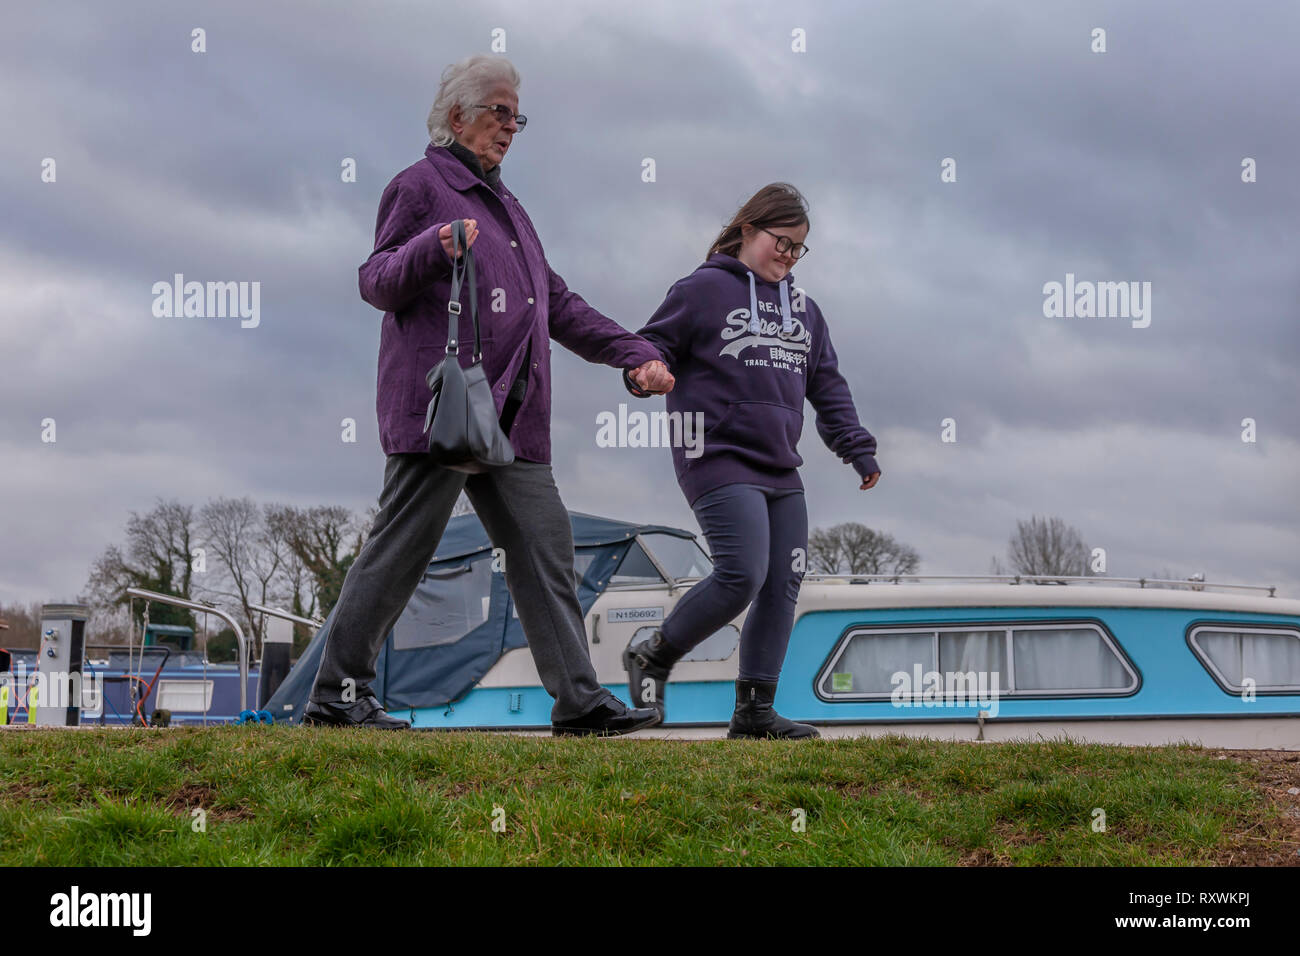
<point x="472" y="126"/>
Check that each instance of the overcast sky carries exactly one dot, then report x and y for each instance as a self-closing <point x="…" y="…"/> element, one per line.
<point x="1122" y="166"/>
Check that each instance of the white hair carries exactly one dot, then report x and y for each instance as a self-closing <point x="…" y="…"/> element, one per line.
<point x="465" y="84"/>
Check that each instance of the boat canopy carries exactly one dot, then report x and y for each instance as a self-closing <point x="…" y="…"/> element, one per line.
<point x="461" y="619"/>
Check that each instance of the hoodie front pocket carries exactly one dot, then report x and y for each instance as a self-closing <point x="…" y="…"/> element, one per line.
<point x="763" y="433"/>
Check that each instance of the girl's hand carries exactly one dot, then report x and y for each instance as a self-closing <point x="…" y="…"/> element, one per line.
<point x="471" y="233"/>
<point x="653" y="376"/>
<point x="869" y="482"/>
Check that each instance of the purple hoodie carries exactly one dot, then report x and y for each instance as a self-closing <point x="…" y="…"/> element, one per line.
<point x="746" y="353"/>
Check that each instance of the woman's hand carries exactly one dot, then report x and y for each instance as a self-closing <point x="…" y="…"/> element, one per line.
<point x="471" y="231"/>
<point x="653" y="376"/>
<point x="869" y="482"/>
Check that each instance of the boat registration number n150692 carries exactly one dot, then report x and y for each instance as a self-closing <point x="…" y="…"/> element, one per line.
<point x="635" y="615"/>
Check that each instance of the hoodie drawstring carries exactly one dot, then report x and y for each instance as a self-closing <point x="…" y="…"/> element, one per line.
<point x="787" y="323"/>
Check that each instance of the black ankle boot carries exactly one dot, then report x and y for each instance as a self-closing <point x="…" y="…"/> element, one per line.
<point x="648" y="662"/>
<point x="755" y="716"/>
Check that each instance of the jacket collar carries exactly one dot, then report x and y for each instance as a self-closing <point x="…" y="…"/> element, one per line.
<point x="457" y="174"/>
<point x="473" y="164"/>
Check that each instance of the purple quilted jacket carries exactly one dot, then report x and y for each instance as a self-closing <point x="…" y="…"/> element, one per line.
<point x="522" y="303"/>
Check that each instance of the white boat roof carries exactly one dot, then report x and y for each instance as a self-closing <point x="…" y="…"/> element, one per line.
<point x="835" y="592"/>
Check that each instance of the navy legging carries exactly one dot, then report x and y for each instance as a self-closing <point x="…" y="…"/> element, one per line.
<point x="753" y="533"/>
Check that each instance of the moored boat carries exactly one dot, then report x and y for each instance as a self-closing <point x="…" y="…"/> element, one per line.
<point x="1127" y="661"/>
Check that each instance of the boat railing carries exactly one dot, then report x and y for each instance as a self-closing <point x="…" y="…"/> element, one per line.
<point x="207" y="608"/>
<point x="1014" y="579"/>
<point x="297" y="619"/>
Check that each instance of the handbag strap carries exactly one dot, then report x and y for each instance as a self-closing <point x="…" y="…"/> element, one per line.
<point x="459" y="271"/>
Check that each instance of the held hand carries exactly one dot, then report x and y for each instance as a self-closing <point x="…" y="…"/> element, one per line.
<point x="471" y="232"/>
<point x="869" y="482"/>
<point x="653" y="376"/>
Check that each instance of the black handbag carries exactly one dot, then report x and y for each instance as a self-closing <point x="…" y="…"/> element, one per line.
<point x="464" y="433"/>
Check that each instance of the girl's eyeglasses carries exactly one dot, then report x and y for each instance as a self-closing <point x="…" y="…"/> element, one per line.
<point x="783" y="245"/>
<point x="503" y="113"/>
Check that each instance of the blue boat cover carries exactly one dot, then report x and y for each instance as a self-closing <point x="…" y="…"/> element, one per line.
<point x="413" y="673"/>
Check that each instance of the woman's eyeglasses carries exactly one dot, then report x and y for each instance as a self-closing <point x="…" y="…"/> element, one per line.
<point x="783" y="245"/>
<point x="504" y="113"/>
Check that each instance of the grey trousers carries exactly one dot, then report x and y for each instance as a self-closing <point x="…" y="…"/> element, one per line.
<point x="521" y="511"/>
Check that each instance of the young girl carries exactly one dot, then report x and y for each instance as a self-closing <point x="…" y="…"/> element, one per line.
<point x="747" y="348"/>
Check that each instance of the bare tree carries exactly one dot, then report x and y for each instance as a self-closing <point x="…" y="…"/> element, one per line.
<point x="825" y="555"/>
<point x="157" y="558"/>
<point x="302" y="601"/>
<point x="316" y="537"/>
<point x="110" y="575"/>
<point x="1048" y="546"/>
<point x="249" y="551"/>
<point x="856" y="549"/>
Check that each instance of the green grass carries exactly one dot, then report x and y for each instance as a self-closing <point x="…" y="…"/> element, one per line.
<point x="279" y="795"/>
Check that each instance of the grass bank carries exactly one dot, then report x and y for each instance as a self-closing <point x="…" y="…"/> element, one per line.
<point x="280" y="795"/>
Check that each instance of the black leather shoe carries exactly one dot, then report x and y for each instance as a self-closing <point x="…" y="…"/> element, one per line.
<point x="366" y="712"/>
<point x="755" y="716"/>
<point x="647" y="663"/>
<point x="610" y="719"/>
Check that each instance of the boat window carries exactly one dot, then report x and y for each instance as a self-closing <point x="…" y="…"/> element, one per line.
<point x="1072" y="659"/>
<point x="1075" y="660"/>
<point x="583" y="558"/>
<point x="185" y="695"/>
<point x="680" y="557"/>
<point x="452" y="600"/>
<point x="984" y="651"/>
<point x="134" y="659"/>
<point x="1269" y="657"/>
<point x="636" y="568"/>
<point x="868" y="661"/>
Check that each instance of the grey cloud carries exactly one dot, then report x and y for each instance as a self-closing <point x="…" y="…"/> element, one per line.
<point x="1114" y="167"/>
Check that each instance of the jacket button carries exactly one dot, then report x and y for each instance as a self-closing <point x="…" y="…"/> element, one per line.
<point x="534" y="365"/>
<point x="513" y="244"/>
<point x="503" y="386"/>
<point x="530" y="300"/>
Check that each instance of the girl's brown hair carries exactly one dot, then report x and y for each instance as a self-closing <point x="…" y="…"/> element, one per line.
<point x="776" y="204"/>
